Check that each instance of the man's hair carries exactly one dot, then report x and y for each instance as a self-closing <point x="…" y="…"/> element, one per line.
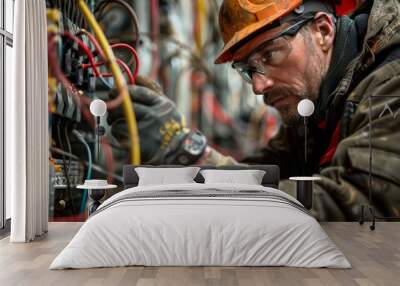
<point x="327" y="6"/>
<point x="306" y="28"/>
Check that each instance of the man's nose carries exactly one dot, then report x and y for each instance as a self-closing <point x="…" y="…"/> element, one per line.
<point x="261" y="83"/>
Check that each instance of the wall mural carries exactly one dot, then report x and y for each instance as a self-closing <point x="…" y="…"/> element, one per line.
<point x="167" y="103"/>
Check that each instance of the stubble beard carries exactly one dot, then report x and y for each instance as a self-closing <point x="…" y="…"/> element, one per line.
<point x="312" y="82"/>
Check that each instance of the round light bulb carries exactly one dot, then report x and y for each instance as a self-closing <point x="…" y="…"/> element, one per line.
<point x="98" y="107"/>
<point x="305" y="108"/>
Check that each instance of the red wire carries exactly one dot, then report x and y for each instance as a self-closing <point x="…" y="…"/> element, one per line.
<point x="86" y="66"/>
<point x="114" y="46"/>
<point x="154" y="37"/>
<point x="216" y="109"/>
<point x="127" y="70"/>
<point x="93" y="41"/>
<point x="99" y="50"/>
<point x="108" y="155"/>
<point x="134" y="53"/>
<point x="132" y="77"/>
<point x="85" y="48"/>
<point x="111" y="104"/>
<point x="121" y="63"/>
<point x="56" y="70"/>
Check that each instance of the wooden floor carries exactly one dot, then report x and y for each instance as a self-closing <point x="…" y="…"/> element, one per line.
<point x="375" y="257"/>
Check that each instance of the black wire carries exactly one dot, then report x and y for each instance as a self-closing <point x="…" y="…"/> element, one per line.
<point x="68" y="144"/>
<point x="95" y="167"/>
<point x="65" y="169"/>
<point x="99" y="9"/>
<point x="196" y="60"/>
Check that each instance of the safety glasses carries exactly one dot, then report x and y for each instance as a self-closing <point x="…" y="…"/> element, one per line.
<point x="272" y="53"/>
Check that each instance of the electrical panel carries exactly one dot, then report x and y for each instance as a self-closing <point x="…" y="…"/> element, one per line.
<point x="174" y="49"/>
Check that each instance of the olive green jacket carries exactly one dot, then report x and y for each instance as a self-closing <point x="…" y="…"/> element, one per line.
<point x="345" y="180"/>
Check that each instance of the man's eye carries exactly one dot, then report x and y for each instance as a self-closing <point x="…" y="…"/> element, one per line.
<point x="268" y="56"/>
<point x="248" y="73"/>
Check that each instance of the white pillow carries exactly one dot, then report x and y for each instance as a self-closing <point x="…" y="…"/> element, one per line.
<point x="163" y="176"/>
<point x="248" y="177"/>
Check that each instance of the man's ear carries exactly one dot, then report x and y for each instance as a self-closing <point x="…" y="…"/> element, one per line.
<point x="324" y="27"/>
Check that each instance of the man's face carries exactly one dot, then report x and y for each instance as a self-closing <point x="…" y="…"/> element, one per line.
<point x="287" y="69"/>
<point x="297" y="78"/>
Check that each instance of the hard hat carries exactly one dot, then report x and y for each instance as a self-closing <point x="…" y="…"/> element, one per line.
<point x="241" y="19"/>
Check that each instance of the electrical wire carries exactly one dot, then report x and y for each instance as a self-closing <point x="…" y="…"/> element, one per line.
<point x="105" y="82"/>
<point x="147" y="82"/>
<point x="80" y="137"/>
<point x="108" y="155"/>
<point x="127" y="71"/>
<point x="200" y="8"/>
<point x="85" y="48"/>
<point x="111" y="104"/>
<point x="55" y="70"/>
<point x="119" y="80"/>
<point x="98" y="49"/>
<point x="68" y="145"/>
<point x="132" y="78"/>
<point x="89" y="54"/>
<point x="154" y="16"/>
<point x="65" y="169"/>
<point x="198" y="27"/>
<point x="93" y="40"/>
<point x="59" y="74"/>
<point x="98" y="11"/>
<point x="95" y="167"/>
<point x="134" y="53"/>
<point x="53" y="17"/>
<point x="213" y="35"/>
<point x="91" y="5"/>
<point x="197" y="61"/>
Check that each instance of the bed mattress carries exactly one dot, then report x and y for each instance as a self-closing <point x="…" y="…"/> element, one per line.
<point x="201" y="225"/>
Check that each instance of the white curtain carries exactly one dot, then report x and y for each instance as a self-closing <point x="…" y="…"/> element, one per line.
<point x="27" y="136"/>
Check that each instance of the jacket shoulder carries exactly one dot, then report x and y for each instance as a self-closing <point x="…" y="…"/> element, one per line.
<point x="374" y="93"/>
<point x="375" y="83"/>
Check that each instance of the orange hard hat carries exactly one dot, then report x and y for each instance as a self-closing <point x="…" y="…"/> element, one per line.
<point x="241" y="19"/>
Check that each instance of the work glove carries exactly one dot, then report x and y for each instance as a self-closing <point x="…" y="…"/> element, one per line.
<point x="164" y="138"/>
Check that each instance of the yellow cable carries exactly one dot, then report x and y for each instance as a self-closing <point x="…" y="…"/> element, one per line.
<point x="119" y="81"/>
<point x="202" y="13"/>
<point x="53" y="18"/>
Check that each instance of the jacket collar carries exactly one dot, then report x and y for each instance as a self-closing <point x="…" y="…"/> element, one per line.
<point x="346" y="48"/>
<point x="382" y="33"/>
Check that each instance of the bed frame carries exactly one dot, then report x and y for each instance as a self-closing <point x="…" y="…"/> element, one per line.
<point x="270" y="179"/>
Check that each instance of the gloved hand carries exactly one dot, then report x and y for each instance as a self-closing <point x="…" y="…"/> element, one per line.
<point x="164" y="138"/>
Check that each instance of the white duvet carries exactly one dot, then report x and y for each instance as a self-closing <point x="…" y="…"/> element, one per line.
<point x="202" y="231"/>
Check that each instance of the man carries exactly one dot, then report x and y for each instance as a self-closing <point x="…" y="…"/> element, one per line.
<point x="288" y="51"/>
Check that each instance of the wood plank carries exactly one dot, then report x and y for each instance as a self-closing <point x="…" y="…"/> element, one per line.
<point x="375" y="257"/>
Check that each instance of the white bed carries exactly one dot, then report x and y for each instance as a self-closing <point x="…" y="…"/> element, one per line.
<point x="201" y="225"/>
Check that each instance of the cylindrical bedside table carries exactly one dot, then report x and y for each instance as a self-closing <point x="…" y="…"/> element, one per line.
<point x="96" y="192"/>
<point x="305" y="190"/>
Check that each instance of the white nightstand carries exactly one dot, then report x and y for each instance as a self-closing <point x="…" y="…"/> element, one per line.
<point x="305" y="190"/>
<point x="96" y="192"/>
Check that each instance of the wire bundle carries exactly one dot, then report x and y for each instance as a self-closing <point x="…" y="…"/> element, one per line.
<point x="105" y="52"/>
